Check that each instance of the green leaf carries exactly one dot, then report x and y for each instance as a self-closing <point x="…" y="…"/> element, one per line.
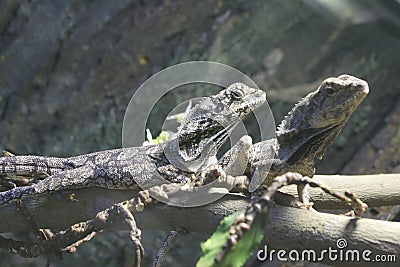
<point x="249" y="242"/>
<point x="239" y="253"/>
<point x="213" y="245"/>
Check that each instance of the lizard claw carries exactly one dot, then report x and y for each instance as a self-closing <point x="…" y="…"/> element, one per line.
<point x="305" y="206"/>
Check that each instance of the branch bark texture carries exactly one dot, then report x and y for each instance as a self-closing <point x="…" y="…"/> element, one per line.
<point x="304" y="229"/>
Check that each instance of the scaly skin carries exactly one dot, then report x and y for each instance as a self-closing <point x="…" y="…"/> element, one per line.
<point x="199" y="137"/>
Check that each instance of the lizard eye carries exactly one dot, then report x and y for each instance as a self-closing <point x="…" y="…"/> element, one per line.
<point x="237" y="94"/>
<point x="330" y="91"/>
<point x="219" y="108"/>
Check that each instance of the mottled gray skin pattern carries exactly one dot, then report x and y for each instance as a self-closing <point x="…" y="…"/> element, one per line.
<point x="200" y="136"/>
<point x="309" y="128"/>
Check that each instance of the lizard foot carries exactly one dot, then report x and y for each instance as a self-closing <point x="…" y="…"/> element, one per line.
<point x="289" y="200"/>
<point x="209" y="175"/>
<point x="305" y="206"/>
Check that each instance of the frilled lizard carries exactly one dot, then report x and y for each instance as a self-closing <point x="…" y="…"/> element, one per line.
<point x="199" y="137"/>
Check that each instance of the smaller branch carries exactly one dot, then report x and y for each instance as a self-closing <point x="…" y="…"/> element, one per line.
<point x="77" y="234"/>
<point x="374" y="189"/>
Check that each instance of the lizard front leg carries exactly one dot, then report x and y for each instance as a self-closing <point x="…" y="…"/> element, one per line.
<point x="236" y="161"/>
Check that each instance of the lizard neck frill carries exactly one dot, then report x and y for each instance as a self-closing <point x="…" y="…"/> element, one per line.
<point x="208" y="124"/>
<point x="306" y="145"/>
<point x="305" y="133"/>
<point x="195" y="156"/>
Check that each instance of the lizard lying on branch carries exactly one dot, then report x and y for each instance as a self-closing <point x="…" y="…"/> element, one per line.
<point x="199" y="138"/>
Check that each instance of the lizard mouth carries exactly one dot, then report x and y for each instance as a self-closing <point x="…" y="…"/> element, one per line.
<point x="259" y="100"/>
<point x="360" y="95"/>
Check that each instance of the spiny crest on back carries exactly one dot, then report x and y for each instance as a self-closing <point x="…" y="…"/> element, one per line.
<point x="296" y="119"/>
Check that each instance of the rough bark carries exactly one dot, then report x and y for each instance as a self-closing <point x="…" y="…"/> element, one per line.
<point x="304" y="229"/>
<point x="55" y="211"/>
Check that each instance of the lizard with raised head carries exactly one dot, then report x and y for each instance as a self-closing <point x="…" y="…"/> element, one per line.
<point x="199" y="137"/>
<point x="306" y="131"/>
<point x="304" y="134"/>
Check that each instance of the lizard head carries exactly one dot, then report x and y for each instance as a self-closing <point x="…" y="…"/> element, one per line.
<point x="336" y="99"/>
<point x="314" y="122"/>
<point x="209" y="123"/>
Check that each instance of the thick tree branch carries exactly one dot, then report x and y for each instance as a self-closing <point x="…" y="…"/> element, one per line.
<point x="57" y="211"/>
<point x="304" y="229"/>
<point x="290" y="228"/>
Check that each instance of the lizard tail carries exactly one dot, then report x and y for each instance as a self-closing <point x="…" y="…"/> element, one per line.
<point x="29" y="166"/>
<point x="16" y="193"/>
<point x="69" y="179"/>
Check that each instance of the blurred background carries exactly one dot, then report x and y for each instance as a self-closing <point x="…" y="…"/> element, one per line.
<point x="69" y="68"/>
